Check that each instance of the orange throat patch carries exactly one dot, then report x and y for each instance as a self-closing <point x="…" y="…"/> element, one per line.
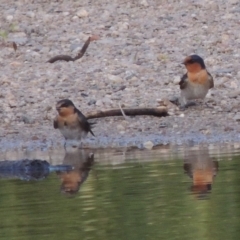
<point x="200" y="77"/>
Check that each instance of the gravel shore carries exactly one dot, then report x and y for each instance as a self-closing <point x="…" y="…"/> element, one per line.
<point x="135" y="63"/>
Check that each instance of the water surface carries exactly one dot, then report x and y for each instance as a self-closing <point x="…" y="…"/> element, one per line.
<point x="176" y="193"/>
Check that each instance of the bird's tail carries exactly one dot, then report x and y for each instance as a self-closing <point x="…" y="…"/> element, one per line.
<point x="91" y="126"/>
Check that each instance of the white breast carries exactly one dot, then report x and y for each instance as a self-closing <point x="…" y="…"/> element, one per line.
<point x="73" y="133"/>
<point x="194" y="91"/>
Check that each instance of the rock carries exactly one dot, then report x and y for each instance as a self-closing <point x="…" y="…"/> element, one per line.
<point x="9" y="18"/>
<point x="91" y="102"/>
<point x="144" y="3"/>
<point x="122" y="26"/>
<point x="148" y="145"/>
<point x="82" y="13"/>
<point x="120" y="127"/>
<point x="27" y="119"/>
<point x="115" y="79"/>
<point x="237" y="117"/>
<point x="30" y="14"/>
<point x="234" y="94"/>
<point x="176" y="80"/>
<point x="16" y="64"/>
<point x="99" y="103"/>
<point x="75" y="18"/>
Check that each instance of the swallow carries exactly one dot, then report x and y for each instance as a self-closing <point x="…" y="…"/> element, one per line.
<point x="71" y="122"/>
<point x="196" y="82"/>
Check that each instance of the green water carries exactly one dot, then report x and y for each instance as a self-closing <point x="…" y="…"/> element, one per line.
<point x="136" y="199"/>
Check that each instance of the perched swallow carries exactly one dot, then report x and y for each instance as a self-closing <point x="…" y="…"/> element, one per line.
<point x="70" y="121"/>
<point x="196" y="82"/>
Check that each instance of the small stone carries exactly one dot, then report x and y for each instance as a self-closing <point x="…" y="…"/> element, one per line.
<point x="123" y="26"/>
<point x="82" y="13"/>
<point x="234" y="94"/>
<point x="16" y="64"/>
<point x="91" y="102"/>
<point x="99" y="103"/>
<point x="9" y="18"/>
<point x="120" y="127"/>
<point x="12" y="103"/>
<point x="26" y="119"/>
<point x="237" y="117"/>
<point x="148" y="145"/>
<point x="65" y="14"/>
<point x="176" y="80"/>
<point x="115" y="79"/>
<point x="30" y="14"/>
<point x="144" y="3"/>
<point x="74" y="18"/>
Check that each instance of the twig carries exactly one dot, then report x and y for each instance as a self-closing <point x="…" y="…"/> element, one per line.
<point x="157" y="112"/>
<point x="68" y="58"/>
<point x="122" y="111"/>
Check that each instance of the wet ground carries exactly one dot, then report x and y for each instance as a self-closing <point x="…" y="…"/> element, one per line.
<point x="135" y="63"/>
<point x="177" y="193"/>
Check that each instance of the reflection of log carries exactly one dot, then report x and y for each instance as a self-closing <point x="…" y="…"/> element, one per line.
<point x="69" y="58"/>
<point x="29" y="169"/>
<point x="157" y="112"/>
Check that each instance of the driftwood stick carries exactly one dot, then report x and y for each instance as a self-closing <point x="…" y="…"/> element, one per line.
<point x="157" y="112"/>
<point x="84" y="48"/>
<point x="68" y="58"/>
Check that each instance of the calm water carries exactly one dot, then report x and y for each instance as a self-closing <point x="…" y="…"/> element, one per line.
<point x="191" y="193"/>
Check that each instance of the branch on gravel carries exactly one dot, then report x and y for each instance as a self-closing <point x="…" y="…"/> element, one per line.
<point x="157" y="112"/>
<point x="68" y="58"/>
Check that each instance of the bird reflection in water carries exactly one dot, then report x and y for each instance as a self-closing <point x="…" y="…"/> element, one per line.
<point x="82" y="161"/>
<point x="199" y="166"/>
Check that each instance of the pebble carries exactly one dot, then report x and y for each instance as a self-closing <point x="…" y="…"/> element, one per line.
<point x="144" y="3"/>
<point x="114" y="78"/>
<point x="237" y="117"/>
<point x="148" y="145"/>
<point x="234" y="94"/>
<point x="9" y="18"/>
<point x="30" y="14"/>
<point x="99" y="103"/>
<point x="82" y="13"/>
<point x="176" y="80"/>
<point x="27" y="119"/>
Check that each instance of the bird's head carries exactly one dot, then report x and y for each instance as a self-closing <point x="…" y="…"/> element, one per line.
<point x="65" y="107"/>
<point x="194" y="63"/>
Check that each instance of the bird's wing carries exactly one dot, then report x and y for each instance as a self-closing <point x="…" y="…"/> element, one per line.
<point x="183" y="82"/>
<point x="211" y="82"/>
<point x="84" y="122"/>
<point x="55" y="123"/>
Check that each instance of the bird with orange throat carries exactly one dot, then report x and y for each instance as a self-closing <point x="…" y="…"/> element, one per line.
<point x="73" y="125"/>
<point x="196" y="82"/>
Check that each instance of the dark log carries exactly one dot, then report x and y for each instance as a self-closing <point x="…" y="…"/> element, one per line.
<point x="84" y="48"/>
<point x="61" y="57"/>
<point x="157" y="112"/>
<point x="68" y="58"/>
